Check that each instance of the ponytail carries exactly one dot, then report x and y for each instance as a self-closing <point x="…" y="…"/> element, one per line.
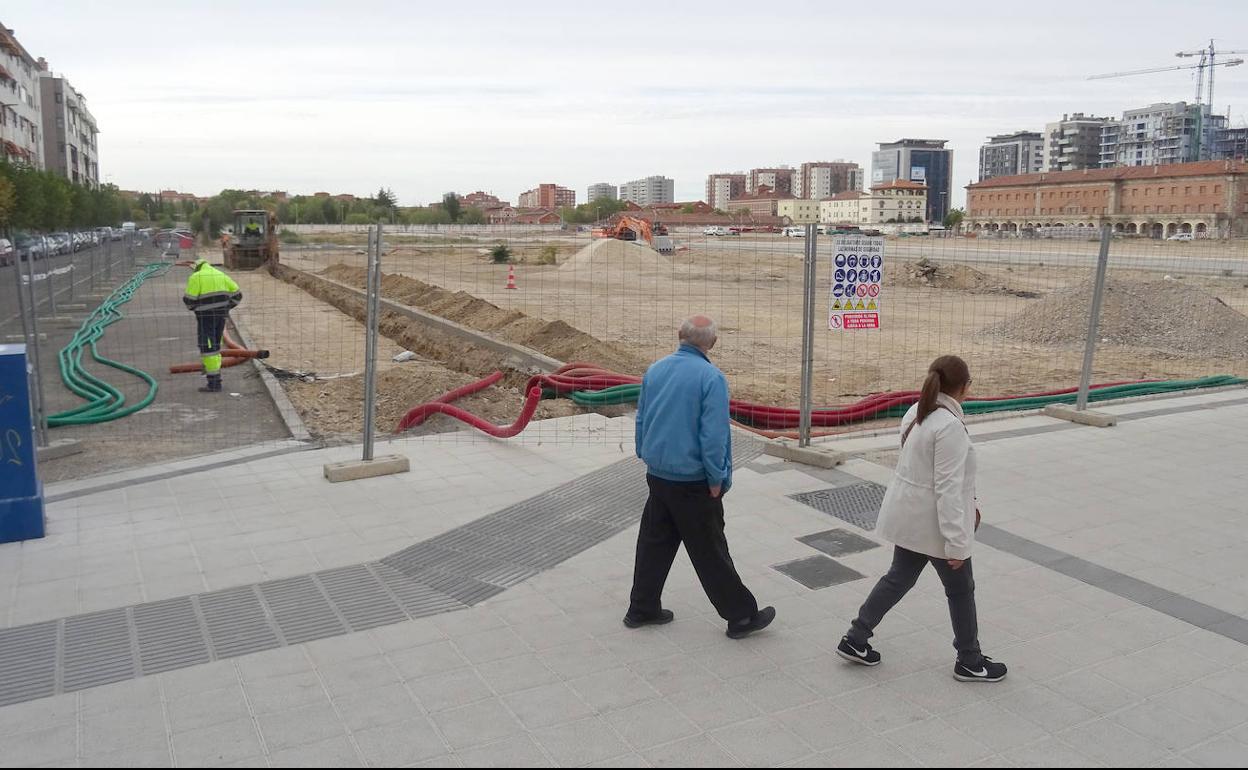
<point x="927" y="396"/>
<point x="948" y="375"/>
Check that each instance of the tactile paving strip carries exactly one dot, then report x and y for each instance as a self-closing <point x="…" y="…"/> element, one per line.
<point x="857" y="504"/>
<point x="450" y="572"/>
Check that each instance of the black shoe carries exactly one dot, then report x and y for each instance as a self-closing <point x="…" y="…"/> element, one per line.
<point x="864" y="657"/>
<point x="988" y="671"/>
<point x="743" y="628"/>
<point x="637" y="621"/>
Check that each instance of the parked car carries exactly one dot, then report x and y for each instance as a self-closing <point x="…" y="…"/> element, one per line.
<point x="116" y="233"/>
<point x="61" y="243"/>
<point x="29" y="248"/>
<point x="6" y="252"/>
<point x="1180" y="237"/>
<point x="719" y="230"/>
<point x="794" y="232"/>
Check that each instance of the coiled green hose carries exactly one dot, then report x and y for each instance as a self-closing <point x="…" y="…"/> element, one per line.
<point x="103" y="401"/>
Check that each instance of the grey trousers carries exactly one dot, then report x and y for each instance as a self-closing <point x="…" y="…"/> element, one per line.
<point x="901" y="577"/>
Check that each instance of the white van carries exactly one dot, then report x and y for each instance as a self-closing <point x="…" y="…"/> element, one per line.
<point x="128" y="227"/>
<point x="794" y="232"/>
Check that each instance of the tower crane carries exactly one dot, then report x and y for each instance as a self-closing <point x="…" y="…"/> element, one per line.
<point x="1204" y="68"/>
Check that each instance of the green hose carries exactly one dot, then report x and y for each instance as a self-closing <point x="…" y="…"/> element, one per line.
<point x="626" y="394"/>
<point x="103" y="401"/>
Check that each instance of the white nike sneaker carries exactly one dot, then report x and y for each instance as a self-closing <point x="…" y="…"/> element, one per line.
<point x="988" y="671"/>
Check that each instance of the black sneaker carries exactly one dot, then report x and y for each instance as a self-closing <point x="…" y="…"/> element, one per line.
<point x="637" y="621"/>
<point x="989" y="671"/>
<point x="864" y="657"/>
<point x="742" y="628"/>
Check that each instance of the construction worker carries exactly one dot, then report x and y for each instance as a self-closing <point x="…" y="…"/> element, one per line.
<point x="211" y="295"/>
<point x="252" y="229"/>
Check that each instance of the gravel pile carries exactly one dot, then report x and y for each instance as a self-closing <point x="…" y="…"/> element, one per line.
<point x="1159" y="315"/>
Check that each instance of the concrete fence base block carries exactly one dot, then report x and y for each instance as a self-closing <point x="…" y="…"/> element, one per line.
<point x="1070" y="414"/>
<point x="366" y="469"/>
<point x="62" y="447"/>
<point x="820" y="457"/>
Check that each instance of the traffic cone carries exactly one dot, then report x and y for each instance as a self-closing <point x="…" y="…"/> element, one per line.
<point x="511" y="277"/>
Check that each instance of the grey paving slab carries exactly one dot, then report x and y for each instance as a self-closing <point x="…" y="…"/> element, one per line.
<point x="818" y="572"/>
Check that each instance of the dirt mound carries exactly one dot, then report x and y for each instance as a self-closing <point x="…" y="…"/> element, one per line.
<point x="928" y="274"/>
<point x="1160" y="315"/>
<point x="608" y="253"/>
<point x="335" y="407"/>
<point x="554" y="338"/>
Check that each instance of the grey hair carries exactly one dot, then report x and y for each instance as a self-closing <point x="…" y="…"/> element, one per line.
<point x="700" y="331"/>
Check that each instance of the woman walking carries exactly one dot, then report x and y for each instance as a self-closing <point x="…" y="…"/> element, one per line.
<point x="930" y="514"/>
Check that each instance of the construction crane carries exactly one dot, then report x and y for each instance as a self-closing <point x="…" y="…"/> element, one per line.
<point x="1205" y="67"/>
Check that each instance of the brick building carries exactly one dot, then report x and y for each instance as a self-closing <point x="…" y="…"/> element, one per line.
<point x="481" y="200"/>
<point x="722" y="188"/>
<point x="779" y="180"/>
<point x="1208" y="198"/>
<point x="765" y="202"/>
<point x="823" y="179"/>
<point x="547" y="196"/>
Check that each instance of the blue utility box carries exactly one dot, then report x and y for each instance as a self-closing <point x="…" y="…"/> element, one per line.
<point x="21" y="492"/>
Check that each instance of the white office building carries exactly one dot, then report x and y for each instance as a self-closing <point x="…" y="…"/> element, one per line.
<point x="602" y="191"/>
<point x="649" y="191"/>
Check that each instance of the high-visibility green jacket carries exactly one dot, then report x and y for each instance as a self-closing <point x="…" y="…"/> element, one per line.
<point x="209" y="289"/>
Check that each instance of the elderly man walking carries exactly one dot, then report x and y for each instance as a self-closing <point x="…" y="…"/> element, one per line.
<point x="684" y="439"/>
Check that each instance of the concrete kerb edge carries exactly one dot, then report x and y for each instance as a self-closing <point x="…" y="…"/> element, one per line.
<point x="286" y="409"/>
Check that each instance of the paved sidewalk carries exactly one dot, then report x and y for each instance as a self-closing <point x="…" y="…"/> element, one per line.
<point x="1115" y="588"/>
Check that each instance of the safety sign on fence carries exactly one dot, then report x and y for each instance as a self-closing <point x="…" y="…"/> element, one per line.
<point x="857" y="275"/>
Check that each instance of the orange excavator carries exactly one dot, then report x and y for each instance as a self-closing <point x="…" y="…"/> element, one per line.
<point x="628" y="228"/>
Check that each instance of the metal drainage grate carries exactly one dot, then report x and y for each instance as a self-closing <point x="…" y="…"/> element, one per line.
<point x="838" y="542"/>
<point x="857" y="504"/>
<point x="818" y="572"/>
<point x="450" y="572"/>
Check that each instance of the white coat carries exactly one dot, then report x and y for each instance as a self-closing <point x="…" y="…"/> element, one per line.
<point x="929" y="507"/>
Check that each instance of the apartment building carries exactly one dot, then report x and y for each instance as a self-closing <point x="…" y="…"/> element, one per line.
<point x="547" y="196"/>
<point x="602" y="191"/>
<point x="896" y="202"/>
<point x="482" y="200"/>
<point x="925" y="162"/>
<point x="1073" y="143"/>
<point x="21" y="116"/>
<point x="1231" y="143"/>
<point x="722" y="188"/>
<point x="1205" y="198"/>
<point x="649" y="191"/>
<point x="823" y="179"/>
<point x="1011" y="154"/>
<point x="779" y="180"/>
<point x="70" y="133"/>
<point x="1164" y="133"/>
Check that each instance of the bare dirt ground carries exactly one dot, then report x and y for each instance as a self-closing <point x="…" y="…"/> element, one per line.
<point x="636" y="306"/>
<point x="309" y="335"/>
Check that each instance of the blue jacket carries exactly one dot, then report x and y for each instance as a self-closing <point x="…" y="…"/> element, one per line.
<point x="682" y="420"/>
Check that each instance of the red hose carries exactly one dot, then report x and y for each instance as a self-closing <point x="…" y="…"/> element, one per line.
<point x="415" y="416"/>
<point x="498" y="431"/>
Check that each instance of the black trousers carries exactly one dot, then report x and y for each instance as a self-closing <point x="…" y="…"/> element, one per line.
<point x="901" y="577"/>
<point x="686" y="513"/>
<point x="210" y="329"/>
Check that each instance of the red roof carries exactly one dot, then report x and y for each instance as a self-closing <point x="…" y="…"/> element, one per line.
<point x="1199" y="168"/>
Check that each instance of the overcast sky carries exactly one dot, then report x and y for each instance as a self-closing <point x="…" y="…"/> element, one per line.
<point x="499" y="96"/>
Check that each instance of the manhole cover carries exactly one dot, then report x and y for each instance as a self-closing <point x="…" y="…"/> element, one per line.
<point x="857" y="504"/>
<point x="838" y="542"/>
<point x="818" y="572"/>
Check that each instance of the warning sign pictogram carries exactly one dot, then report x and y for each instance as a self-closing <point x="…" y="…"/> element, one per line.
<point x="857" y="274"/>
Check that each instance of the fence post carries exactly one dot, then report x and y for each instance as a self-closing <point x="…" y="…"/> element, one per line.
<point x="1094" y="318"/>
<point x="48" y="277"/>
<point x="91" y="268"/>
<point x="41" y="422"/>
<point x="810" y="263"/>
<point x="370" y="355"/>
<point x="108" y="261"/>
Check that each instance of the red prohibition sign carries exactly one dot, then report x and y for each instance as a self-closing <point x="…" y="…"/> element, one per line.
<point x="834" y="321"/>
<point x="874" y="290"/>
<point x="862" y="290"/>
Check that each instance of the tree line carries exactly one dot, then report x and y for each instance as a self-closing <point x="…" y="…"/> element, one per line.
<point x="46" y="201"/>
